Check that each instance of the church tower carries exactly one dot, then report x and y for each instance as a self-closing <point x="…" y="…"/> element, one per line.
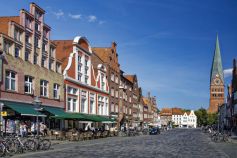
<point x="216" y="81"/>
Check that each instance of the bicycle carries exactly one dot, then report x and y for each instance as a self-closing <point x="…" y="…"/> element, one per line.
<point x="41" y="143"/>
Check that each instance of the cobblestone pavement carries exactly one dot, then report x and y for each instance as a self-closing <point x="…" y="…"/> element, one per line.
<point x="180" y="143"/>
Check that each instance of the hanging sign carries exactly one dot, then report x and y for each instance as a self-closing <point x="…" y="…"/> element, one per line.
<point x="3" y="113"/>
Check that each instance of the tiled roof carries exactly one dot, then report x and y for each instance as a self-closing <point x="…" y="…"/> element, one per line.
<point x="166" y="111"/>
<point x="131" y="78"/>
<point x="109" y="56"/>
<point x="103" y="53"/>
<point x="177" y="111"/>
<point x="5" y="20"/>
<point x="63" y="50"/>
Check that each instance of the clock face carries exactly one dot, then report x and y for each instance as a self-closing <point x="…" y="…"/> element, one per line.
<point x="217" y="81"/>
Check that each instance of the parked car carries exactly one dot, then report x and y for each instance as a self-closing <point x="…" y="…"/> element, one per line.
<point x="154" y="131"/>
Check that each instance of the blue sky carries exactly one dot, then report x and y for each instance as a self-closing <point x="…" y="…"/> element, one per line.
<point x="169" y="44"/>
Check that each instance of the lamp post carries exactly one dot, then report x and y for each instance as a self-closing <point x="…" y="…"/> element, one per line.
<point x="37" y="104"/>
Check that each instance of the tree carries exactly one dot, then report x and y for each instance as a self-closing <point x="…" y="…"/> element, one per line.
<point x="212" y="119"/>
<point x="201" y="117"/>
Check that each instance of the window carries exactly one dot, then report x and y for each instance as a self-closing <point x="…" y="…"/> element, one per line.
<point x="27" y="55"/>
<point x="86" y="79"/>
<point x="79" y="58"/>
<point x="86" y="62"/>
<point x="92" y="103"/>
<point x="58" y="67"/>
<point x="56" y="91"/>
<point x="50" y="64"/>
<point x="112" y="92"/>
<point x="17" y="52"/>
<point x="44" y="88"/>
<point x="44" y="47"/>
<point x="83" y="104"/>
<point x="10" y="80"/>
<point x="35" y="58"/>
<point x="79" y="77"/>
<point x="112" y="76"/>
<point x="86" y="70"/>
<point x="28" y="84"/>
<point x="45" y="33"/>
<point x="116" y="108"/>
<point x="28" y="23"/>
<point x="51" y="52"/>
<point x="100" y="105"/>
<point x="17" y="35"/>
<point x="71" y="104"/>
<point x="37" y="27"/>
<point x="112" y="107"/>
<point x="6" y="47"/>
<point x="102" y="82"/>
<point x="71" y="90"/>
<point x="27" y="38"/>
<point x="83" y="101"/>
<point x="116" y="79"/>
<point x="43" y="61"/>
<point x="79" y="68"/>
<point x="37" y="15"/>
<point x="116" y="94"/>
<point x="37" y="42"/>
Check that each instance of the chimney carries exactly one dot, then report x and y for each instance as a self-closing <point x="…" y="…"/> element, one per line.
<point x="114" y="45"/>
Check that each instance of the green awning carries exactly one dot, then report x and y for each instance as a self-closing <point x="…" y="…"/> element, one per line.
<point x="22" y="108"/>
<point x="98" y="118"/>
<point x="54" y="110"/>
<point x="74" y="116"/>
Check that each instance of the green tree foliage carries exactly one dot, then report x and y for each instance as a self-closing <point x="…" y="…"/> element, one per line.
<point x="212" y="119"/>
<point x="203" y="118"/>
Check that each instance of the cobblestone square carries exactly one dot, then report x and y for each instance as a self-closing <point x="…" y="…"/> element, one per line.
<point x="174" y="143"/>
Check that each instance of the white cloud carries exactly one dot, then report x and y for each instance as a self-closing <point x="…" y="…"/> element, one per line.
<point x="75" y="16"/>
<point x="92" y="18"/>
<point x="228" y="72"/>
<point x="59" y="14"/>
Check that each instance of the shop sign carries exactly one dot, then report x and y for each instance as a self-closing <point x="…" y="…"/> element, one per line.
<point x="3" y="113"/>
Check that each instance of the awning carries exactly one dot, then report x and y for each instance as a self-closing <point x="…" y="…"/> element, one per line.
<point x="24" y="109"/>
<point x="69" y="116"/>
<point x="54" y="110"/>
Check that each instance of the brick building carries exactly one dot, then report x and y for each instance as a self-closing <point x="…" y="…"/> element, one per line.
<point x="234" y="98"/>
<point x="109" y="56"/>
<point x="85" y="79"/>
<point x="30" y="67"/>
<point x="135" y="99"/>
<point x="216" y="81"/>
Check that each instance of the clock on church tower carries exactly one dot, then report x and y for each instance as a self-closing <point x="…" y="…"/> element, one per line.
<point x="216" y="81"/>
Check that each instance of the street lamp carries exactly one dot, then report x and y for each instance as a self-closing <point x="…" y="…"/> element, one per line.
<point x="37" y="106"/>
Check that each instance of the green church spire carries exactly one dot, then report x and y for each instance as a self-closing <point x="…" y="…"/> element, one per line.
<point x="216" y="63"/>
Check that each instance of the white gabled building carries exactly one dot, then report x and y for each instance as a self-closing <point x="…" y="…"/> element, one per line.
<point x="184" y="119"/>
